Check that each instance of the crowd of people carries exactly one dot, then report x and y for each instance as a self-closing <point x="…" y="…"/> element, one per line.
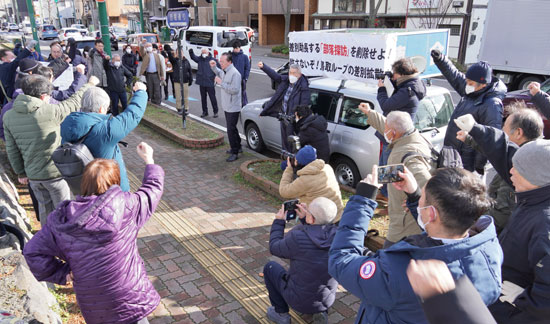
<point x="456" y="251"/>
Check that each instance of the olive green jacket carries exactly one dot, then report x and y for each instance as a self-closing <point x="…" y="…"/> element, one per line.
<point x="32" y="129"/>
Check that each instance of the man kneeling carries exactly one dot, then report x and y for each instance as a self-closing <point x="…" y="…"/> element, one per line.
<point x="306" y="287"/>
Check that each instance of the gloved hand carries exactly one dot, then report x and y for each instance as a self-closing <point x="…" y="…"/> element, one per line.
<point x="465" y="122"/>
<point x="436" y="55"/>
<point x="31" y="44"/>
<point x="510" y="291"/>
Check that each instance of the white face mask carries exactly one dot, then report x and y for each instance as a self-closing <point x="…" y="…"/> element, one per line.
<point x="292" y="79"/>
<point x="149" y="49"/>
<point x="419" y="218"/>
<point x="117" y="63"/>
<point x="386" y="137"/>
<point x="204" y="55"/>
<point x="155" y="51"/>
<point x="469" y="89"/>
<point x="297" y="119"/>
<point x="128" y="50"/>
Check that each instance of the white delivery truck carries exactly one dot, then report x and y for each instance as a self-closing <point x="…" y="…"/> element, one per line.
<point x="516" y="41"/>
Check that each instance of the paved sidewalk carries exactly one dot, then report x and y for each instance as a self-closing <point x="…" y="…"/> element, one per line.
<point x="233" y="218"/>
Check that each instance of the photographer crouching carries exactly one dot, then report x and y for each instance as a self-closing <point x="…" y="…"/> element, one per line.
<point x="312" y="130"/>
<point x="306" y="287"/>
<point x="315" y="178"/>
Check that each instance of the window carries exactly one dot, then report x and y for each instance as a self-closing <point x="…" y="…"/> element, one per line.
<point x="351" y="115"/>
<point x="349" y="5"/>
<point x="225" y="39"/>
<point x="151" y="39"/>
<point x="324" y="104"/>
<point x="433" y="112"/>
<point x="455" y="29"/>
<point x="199" y="38"/>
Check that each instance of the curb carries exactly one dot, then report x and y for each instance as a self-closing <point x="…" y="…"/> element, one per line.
<point x="182" y="139"/>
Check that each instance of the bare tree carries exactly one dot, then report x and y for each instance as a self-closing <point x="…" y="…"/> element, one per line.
<point x="373" y="11"/>
<point x="432" y="12"/>
<point x="286" y="13"/>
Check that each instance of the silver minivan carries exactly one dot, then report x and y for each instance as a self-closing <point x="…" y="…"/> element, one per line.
<point x="354" y="148"/>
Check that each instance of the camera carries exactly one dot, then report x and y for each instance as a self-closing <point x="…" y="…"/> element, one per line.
<point x="295" y="146"/>
<point x="290" y="209"/>
<point x="382" y="75"/>
<point x="285" y="118"/>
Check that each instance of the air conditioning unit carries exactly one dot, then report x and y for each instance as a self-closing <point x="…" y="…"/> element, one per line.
<point x="458" y="4"/>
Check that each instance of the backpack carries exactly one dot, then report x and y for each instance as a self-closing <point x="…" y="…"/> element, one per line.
<point x="448" y="157"/>
<point x="71" y="159"/>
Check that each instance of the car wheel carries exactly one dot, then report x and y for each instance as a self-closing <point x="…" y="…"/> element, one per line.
<point x="254" y="138"/>
<point x="252" y="39"/>
<point x="346" y="171"/>
<point x="524" y="83"/>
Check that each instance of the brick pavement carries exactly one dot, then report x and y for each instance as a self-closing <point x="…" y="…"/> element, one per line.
<point x="237" y="219"/>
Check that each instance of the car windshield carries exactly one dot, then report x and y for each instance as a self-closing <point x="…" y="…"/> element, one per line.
<point x="199" y="38"/>
<point x="225" y="39"/>
<point x="119" y="30"/>
<point x="71" y="31"/>
<point x="151" y="39"/>
<point x="81" y="45"/>
<point x="434" y="111"/>
<point x="49" y="28"/>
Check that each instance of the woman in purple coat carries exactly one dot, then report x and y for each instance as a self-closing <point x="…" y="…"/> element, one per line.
<point x="92" y="241"/>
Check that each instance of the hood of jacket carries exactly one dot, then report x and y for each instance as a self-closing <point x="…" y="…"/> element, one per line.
<point x="494" y="89"/>
<point x="315" y="121"/>
<point x="92" y="218"/>
<point x="416" y="85"/>
<point x="312" y="168"/>
<point x="26" y="104"/>
<point x="321" y="235"/>
<point x="77" y="124"/>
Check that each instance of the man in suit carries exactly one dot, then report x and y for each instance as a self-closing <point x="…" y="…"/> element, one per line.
<point x="154" y="72"/>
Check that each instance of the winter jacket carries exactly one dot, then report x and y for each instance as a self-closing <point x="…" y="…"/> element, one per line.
<point x="298" y="97"/>
<point x="314" y="180"/>
<point x="242" y="64"/>
<point x="115" y="76"/>
<point x="129" y="61"/>
<point x="205" y="76"/>
<point x="485" y="106"/>
<point x="312" y="130"/>
<point x="32" y="134"/>
<point x="542" y="102"/>
<point x="96" y="67"/>
<point x="187" y="73"/>
<point x="94" y="237"/>
<point x="7" y="74"/>
<point x="106" y="131"/>
<point x="231" y="88"/>
<point x="379" y="279"/>
<point x="406" y="96"/>
<point x="310" y="289"/>
<point x="416" y="147"/>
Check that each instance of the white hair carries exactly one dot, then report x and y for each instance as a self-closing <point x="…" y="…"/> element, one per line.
<point x="115" y="55"/>
<point x="323" y="210"/>
<point x="93" y="99"/>
<point x="295" y="67"/>
<point x="400" y="121"/>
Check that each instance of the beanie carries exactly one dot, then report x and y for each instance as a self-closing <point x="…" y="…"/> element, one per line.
<point x="480" y="72"/>
<point x="529" y="162"/>
<point x="306" y="155"/>
<point x="26" y="65"/>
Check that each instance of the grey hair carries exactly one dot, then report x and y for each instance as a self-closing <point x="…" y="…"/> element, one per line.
<point x="323" y="210"/>
<point x="115" y="55"/>
<point x="93" y="99"/>
<point x="400" y="121"/>
<point x="530" y="121"/>
<point x="295" y="67"/>
<point x="36" y="85"/>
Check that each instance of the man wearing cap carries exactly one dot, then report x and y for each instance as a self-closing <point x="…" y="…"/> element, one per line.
<point x="482" y="96"/>
<point x="315" y="179"/>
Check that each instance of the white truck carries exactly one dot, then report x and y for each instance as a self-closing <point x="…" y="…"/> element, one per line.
<point x="516" y="41"/>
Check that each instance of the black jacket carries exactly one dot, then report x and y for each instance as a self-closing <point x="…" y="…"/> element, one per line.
<point x="312" y="130"/>
<point x="299" y="95"/>
<point x="176" y="66"/>
<point x="406" y="97"/>
<point x="115" y="76"/>
<point x="129" y="61"/>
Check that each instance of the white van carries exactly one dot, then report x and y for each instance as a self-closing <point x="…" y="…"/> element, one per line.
<point x="217" y="39"/>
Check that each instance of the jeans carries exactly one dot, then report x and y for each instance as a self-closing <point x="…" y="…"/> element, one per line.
<point x="115" y="97"/>
<point x="211" y="91"/>
<point x="231" y="120"/>
<point x="244" y="98"/>
<point x="275" y="282"/>
<point x="49" y="194"/>
<point x="153" y="87"/>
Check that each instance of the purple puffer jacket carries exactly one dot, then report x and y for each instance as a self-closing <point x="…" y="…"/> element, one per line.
<point x="95" y="238"/>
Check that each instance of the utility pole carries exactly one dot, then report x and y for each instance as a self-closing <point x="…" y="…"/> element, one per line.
<point x="74" y="13"/>
<point x="141" y="16"/>
<point x="32" y="17"/>
<point x="104" y="25"/>
<point x="16" y="11"/>
<point x="196" y="11"/>
<point x="215" y="12"/>
<point x="58" y="17"/>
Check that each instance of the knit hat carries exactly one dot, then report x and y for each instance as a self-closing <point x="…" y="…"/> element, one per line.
<point x="481" y="72"/>
<point x="529" y="162"/>
<point x="26" y="65"/>
<point x="306" y="155"/>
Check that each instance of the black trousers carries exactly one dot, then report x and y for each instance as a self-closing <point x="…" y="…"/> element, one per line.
<point x="211" y="92"/>
<point x="231" y="120"/>
<point x="168" y="78"/>
<point x="115" y="97"/>
<point x="286" y="131"/>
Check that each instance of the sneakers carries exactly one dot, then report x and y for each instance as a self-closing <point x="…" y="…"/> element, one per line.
<point x="320" y="318"/>
<point x="215" y="116"/>
<point x="204" y="115"/>
<point x="279" y="318"/>
<point x="232" y="158"/>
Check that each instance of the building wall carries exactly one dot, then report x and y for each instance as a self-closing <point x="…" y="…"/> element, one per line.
<point x="325" y="6"/>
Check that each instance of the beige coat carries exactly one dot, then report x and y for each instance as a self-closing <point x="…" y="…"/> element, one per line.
<point x="402" y="223"/>
<point x="159" y="60"/>
<point x="316" y="179"/>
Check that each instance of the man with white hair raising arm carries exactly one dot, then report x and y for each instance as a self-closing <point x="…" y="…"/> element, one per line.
<point x="306" y="287"/>
<point x="407" y="147"/>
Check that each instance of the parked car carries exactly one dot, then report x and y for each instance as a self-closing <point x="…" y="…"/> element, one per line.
<point x="48" y="32"/>
<point x="69" y="32"/>
<point x="135" y="39"/>
<point x="282" y="70"/>
<point x="216" y="39"/>
<point x="120" y="33"/>
<point x="523" y="95"/>
<point x="249" y="33"/>
<point x="353" y="146"/>
<point x="13" y="27"/>
<point x="112" y="37"/>
<point x="83" y="42"/>
<point x="81" y="28"/>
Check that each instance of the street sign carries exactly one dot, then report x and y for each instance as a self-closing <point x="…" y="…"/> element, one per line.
<point x="177" y="18"/>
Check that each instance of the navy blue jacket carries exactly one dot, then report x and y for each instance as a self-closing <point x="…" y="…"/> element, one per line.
<point x="107" y="132"/>
<point x="485" y="106"/>
<point x="310" y="289"/>
<point x="542" y="102"/>
<point x="242" y="64"/>
<point x="406" y="97"/>
<point x="298" y="97"/>
<point x="205" y="76"/>
<point x="7" y="74"/>
<point x="78" y="81"/>
<point x="380" y="279"/>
